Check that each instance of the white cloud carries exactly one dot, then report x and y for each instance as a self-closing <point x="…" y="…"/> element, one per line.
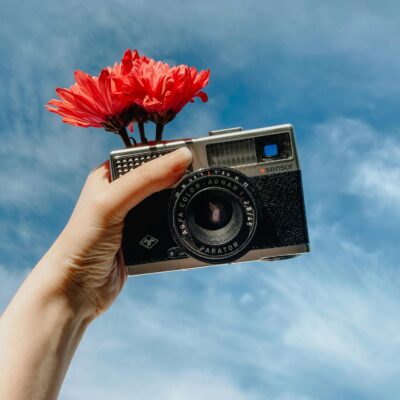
<point x="348" y="157"/>
<point x="10" y="279"/>
<point x="47" y="165"/>
<point x="324" y="315"/>
<point x="298" y="329"/>
<point x="319" y="318"/>
<point x="321" y="326"/>
<point x="378" y="176"/>
<point x="196" y="385"/>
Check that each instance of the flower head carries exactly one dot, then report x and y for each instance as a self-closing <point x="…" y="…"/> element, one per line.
<point x="136" y="90"/>
<point x="162" y="91"/>
<point x="92" y="101"/>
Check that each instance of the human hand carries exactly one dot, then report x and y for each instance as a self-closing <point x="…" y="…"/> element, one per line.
<point x="84" y="265"/>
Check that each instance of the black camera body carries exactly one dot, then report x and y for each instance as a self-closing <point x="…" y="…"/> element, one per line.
<point x="240" y="200"/>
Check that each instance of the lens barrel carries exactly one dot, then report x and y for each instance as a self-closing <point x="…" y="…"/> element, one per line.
<point x="213" y="214"/>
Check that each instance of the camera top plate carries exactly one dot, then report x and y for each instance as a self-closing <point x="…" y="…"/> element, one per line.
<point x="240" y="149"/>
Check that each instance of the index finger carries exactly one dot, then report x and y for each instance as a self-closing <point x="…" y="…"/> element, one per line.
<point x="133" y="187"/>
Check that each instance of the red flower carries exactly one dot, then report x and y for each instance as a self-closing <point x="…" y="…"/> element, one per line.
<point x="92" y="101"/>
<point x="136" y="90"/>
<point x="162" y="91"/>
<point x="130" y="58"/>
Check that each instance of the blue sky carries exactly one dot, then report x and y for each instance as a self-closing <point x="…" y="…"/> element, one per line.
<point x="321" y="326"/>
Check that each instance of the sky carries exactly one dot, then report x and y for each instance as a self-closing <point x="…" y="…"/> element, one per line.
<point x="325" y="325"/>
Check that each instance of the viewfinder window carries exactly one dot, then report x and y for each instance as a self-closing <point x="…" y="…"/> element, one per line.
<point x="273" y="147"/>
<point x="271" y="150"/>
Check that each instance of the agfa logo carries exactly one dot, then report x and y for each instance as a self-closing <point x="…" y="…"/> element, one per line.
<point x="149" y="242"/>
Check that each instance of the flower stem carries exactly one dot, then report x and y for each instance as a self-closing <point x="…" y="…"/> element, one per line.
<point x="142" y="133"/>
<point x="124" y="135"/>
<point x="159" y="132"/>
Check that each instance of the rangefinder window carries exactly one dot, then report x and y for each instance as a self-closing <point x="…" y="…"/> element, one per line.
<point x="273" y="147"/>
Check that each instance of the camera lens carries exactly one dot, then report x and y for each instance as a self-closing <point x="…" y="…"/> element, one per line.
<point x="212" y="209"/>
<point x="213" y="214"/>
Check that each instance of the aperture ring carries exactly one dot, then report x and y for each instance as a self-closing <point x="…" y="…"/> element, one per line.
<point x="222" y="179"/>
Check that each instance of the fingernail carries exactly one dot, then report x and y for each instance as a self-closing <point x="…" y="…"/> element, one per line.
<point x="181" y="159"/>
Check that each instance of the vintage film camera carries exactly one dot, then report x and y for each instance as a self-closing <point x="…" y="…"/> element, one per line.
<point x="241" y="200"/>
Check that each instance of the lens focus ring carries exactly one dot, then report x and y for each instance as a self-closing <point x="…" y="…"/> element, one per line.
<point x="213" y="214"/>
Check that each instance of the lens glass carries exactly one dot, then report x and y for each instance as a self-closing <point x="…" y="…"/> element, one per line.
<point x="212" y="210"/>
<point x="214" y="216"/>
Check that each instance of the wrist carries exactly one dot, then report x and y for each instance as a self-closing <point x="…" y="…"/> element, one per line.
<point x="39" y="333"/>
<point x="50" y="282"/>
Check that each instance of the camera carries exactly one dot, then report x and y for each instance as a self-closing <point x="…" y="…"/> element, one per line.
<point x="241" y="199"/>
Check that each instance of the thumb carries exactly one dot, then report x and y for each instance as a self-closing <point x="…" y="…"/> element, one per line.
<point x="133" y="187"/>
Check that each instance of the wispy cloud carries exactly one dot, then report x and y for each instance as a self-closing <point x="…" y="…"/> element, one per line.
<point x="315" y="327"/>
<point x="378" y="177"/>
<point x="239" y="332"/>
<point x="321" y="326"/>
<point x="356" y="160"/>
<point x="10" y="279"/>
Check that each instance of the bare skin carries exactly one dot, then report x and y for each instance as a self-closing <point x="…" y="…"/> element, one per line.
<point x="76" y="280"/>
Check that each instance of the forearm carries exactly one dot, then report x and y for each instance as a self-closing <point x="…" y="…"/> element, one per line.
<point x="77" y="280"/>
<point x="39" y="333"/>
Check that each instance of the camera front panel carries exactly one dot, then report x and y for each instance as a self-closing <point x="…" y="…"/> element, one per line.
<point x="267" y="156"/>
<point x="284" y="223"/>
<point x="146" y="237"/>
<point x="149" y="246"/>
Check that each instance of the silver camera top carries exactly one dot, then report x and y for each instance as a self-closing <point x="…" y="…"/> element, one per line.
<point x="254" y="152"/>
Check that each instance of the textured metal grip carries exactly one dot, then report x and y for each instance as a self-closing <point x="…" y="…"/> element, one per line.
<point x="125" y="163"/>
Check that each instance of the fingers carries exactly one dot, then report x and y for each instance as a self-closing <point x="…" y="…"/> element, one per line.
<point x="133" y="187"/>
